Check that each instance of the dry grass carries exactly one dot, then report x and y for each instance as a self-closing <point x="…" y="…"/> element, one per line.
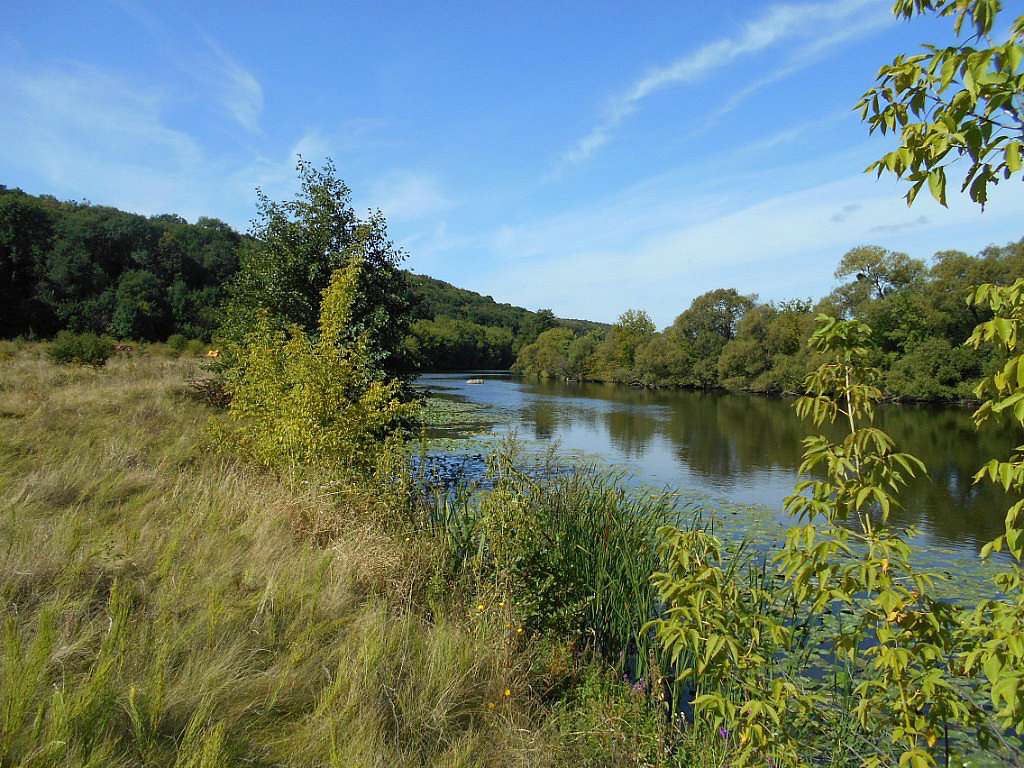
<point x="166" y="605"/>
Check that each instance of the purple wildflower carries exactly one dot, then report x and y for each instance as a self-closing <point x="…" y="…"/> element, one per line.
<point x="723" y="732"/>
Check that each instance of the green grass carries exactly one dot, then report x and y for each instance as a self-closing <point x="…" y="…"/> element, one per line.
<point x="166" y="605"/>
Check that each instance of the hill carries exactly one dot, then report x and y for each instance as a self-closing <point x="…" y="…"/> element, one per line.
<point x="91" y="268"/>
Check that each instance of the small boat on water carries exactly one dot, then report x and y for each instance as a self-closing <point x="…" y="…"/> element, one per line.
<point x="474" y="381"/>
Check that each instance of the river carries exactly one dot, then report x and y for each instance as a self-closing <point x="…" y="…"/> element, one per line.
<point x="738" y="451"/>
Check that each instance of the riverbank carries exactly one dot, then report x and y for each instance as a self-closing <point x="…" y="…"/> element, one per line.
<point x="170" y="605"/>
<point x="167" y="604"/>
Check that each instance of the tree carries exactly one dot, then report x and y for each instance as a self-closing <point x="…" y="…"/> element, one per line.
<point x="548" y="356"/>
<point x="706" y="327"/>
<point x="140" y="311"/>
<point x="615" y="357"/>
<point x="880" y="271"/>
<point x="26" y="229"/>
<point x="952" y="103"/>
<point x="295" y="247"/>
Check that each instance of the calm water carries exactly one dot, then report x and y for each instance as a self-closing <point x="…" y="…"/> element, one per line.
<point x="743" y="448"/>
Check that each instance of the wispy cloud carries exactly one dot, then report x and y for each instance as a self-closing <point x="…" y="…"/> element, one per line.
<point x="779" y="246"/>
<point x="779" y="23"/>
<point x="408" y="196"/>
<point x="844" y="213"/>
<point x="80" y="129"/>
<point x="240" y="91"/>
<point x="902" y="226"/>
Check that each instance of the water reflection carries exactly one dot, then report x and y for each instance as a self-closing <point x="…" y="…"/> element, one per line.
<point x="747" y="448"/>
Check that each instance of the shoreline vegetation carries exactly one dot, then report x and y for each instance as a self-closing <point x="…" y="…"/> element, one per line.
<point x="919" y="318"/>
<point x="83" y="268"/>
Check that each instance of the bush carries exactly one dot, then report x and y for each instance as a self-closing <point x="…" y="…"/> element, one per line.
<point x="575" y="553"/>
<point x="318" y="403"/>
<point x="177" y="342"/>
<point x="194" y="347"/>
<point x="81" y="348"/>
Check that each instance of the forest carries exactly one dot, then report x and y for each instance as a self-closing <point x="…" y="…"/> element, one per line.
<point x="95" y="269"/>
<point x="918" y="314"/>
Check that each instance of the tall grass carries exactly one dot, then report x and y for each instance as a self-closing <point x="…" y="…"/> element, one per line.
<point x="166" y="606"/>
<point x="572" y="550"/>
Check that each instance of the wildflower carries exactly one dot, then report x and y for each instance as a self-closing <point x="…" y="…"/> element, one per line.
<point x="519" y="630"/>
<point x="213" y="353"/>
<point x="481" y="607"/>
<point x="490" y="705"/>
<point x="723" y="732"/>
<point x="508" y="692"/>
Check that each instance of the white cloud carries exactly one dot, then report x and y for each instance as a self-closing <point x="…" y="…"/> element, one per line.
<point x="81" y="132"/>
<point x="83" y="129"/>
<point x="409" y="196"/>
<point x="779" y="23"/>
<point x="240" y="91"/>
<point x="595" y="265"/>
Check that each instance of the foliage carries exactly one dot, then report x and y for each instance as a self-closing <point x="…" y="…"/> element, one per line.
<point x="296" y="246"/>
<point x="447" y="344"/>
<point x="998" y="625"/>
<point x="89" y="268"/>
<point x="81" y="348"/>
<point x="322" y="402"/>
<point x="722" y="634"/>
<point x="917" y="314"/>
<point x="953" y="103"/>
<point x="548" y="357"/>
<point x="614" y="358"/>
<point x="574" y="552"/>
<point x="848" y="552"/>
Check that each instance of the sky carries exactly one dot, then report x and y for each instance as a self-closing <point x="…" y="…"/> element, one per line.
<point x="587" y="156"/>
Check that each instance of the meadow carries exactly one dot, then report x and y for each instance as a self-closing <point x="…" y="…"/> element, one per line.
<point x="169" y="604"/>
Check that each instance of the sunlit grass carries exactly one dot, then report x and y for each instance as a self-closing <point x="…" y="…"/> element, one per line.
<point x="166" y="605"/>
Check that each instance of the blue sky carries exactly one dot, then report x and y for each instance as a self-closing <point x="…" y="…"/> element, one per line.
<point x="587" y="157"/>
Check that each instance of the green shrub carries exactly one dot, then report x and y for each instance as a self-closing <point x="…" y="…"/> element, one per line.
<point x="194" y="347"/>
<point x="317" y="403"/>
<point x="575" y="553"/>
<point x="177" y="342"/>
<point x="81" y="348"/>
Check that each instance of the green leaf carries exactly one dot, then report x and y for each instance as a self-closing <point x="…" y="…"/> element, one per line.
<point x="1013" y="156"/>
<point x="937" y="184"/>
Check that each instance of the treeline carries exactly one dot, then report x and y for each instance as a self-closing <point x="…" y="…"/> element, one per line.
<point x="917" y="312"/>
<point x="89" y="268"/>
<point x="95" y="269"/>
<point x="457" y="329"/>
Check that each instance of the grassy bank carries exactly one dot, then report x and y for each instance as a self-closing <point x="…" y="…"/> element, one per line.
<point x="166" y="604"/>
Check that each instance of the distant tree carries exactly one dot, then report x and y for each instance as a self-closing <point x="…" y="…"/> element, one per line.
<point x="548" y="356"/>
<point x="140" y="309"/>
<point x="534" y="325"/>
<point x="878" y="271"/>
<point x="615" y="357"/>
<point x="26" y="232"/>
<point x="706" y="327"/>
